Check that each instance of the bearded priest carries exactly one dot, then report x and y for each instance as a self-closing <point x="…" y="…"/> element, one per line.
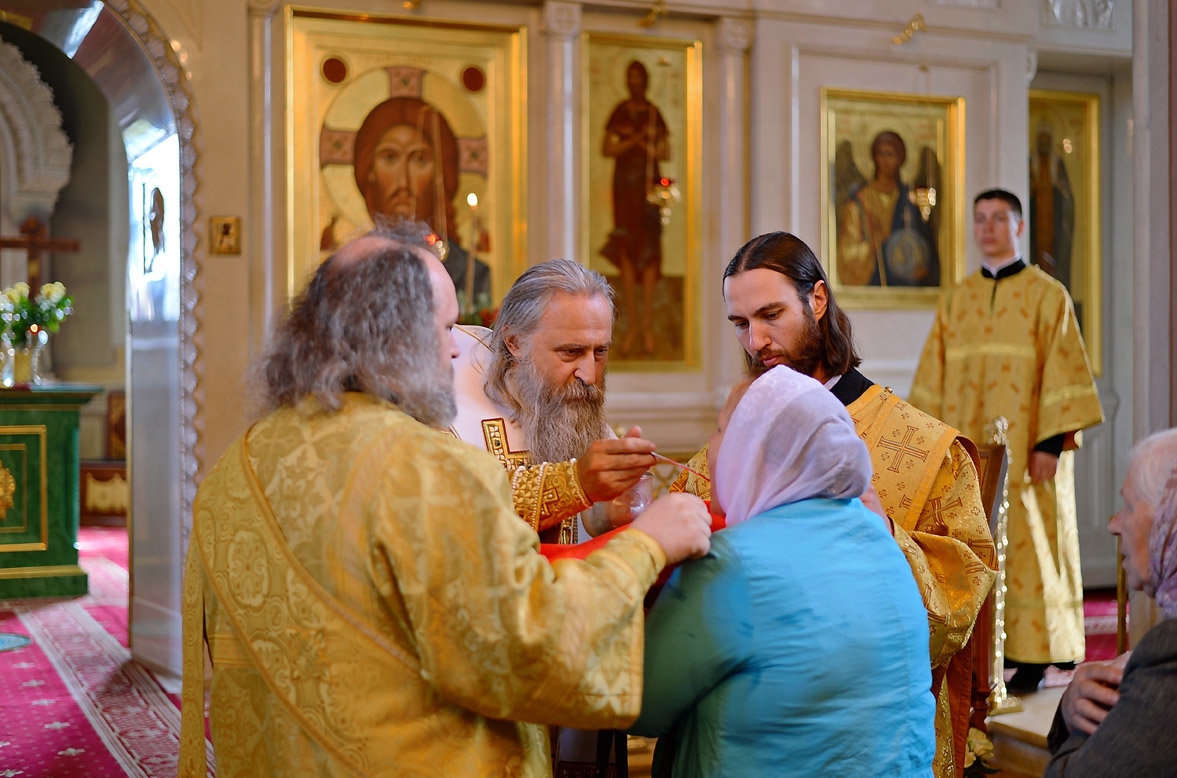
<point x="532" y="393"/>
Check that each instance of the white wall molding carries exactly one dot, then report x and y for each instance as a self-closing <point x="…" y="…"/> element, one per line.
<point x="561" y="19"/>
<point x="1078" y="14"/>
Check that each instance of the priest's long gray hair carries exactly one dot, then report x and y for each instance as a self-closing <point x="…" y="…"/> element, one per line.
<point x="522" y="309"/>
<point x="363" y="324"/>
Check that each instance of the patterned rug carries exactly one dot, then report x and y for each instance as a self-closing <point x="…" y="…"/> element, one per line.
<point x="72" y="701"/>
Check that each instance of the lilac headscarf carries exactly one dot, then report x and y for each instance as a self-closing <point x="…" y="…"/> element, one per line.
<point x="1162" y="549"/>
<point x="1153" y="470"/>
<point x="788" y="439"/>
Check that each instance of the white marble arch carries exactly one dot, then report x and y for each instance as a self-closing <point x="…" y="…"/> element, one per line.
<point x="165" y="367"/>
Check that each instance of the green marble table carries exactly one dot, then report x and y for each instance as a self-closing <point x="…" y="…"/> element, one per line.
<point x="39" y="490"/>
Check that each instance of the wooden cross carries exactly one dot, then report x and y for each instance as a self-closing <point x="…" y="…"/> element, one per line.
<point x="35" y="239"/>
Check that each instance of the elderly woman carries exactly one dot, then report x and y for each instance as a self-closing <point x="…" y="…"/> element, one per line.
<point x="1119" y="717"/>
<point x="799" y="645"/>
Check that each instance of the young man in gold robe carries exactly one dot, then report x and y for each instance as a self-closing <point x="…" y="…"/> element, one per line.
<point x="925" y="476"/>
<point x="370" y="601"/>
<point x="1005" y="342"/>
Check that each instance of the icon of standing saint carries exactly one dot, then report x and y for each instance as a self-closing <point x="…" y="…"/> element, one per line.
<point x="637" y="139"/>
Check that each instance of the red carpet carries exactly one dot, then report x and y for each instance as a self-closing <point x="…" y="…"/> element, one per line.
<point x="73" y="702"/>
<point x="1099" y="623"/>
<point x="106" y="542"/>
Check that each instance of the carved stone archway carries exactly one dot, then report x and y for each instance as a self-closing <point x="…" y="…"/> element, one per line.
<point x="35" y="154"/>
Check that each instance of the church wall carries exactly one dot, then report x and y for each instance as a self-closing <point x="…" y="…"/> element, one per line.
<point x="1119" y="258"/>
<point x="1154" y="368"/>
<point x="221" y="84"/>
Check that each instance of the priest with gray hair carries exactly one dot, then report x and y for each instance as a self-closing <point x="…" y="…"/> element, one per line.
<point x="358" y="581"/>
<point x="532" y="392"/>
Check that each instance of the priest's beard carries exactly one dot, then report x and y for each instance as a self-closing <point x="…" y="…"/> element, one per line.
<point x="804" y="355"/>
<point x="431" y="401"/>
<point x="558" y="423"/>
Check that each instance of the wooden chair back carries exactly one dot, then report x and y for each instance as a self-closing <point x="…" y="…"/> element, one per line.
<point x="1121" y="601"/>
<point x="994" y="466"/>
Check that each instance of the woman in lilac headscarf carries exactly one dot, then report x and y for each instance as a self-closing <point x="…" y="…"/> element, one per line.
<point x="799" y="645"/>
<point x="1120" y="717"/>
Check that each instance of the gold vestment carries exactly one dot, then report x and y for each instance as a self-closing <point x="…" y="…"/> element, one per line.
<point x="927" y="482"/>
<point x="1012" y="348"/>
<point x="373" y="606"/>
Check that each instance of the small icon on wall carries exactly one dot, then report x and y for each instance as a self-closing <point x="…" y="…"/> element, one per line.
<point x="224" y="234"/>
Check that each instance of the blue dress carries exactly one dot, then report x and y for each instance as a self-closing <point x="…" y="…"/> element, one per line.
<point x="797" y="647"/>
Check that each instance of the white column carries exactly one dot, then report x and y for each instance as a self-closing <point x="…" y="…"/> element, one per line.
<point x="733" y="37"/>
<point x="266" y="272"/>
<point x="561" y="27"/>
<point x="1153" y="273"/>
<point x="1151" y="106"/>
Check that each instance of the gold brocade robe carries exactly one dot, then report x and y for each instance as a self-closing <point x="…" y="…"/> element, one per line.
<point x="373" y="606"/>
<point x="927" y="482"/>
<point x="1012" y="348"/>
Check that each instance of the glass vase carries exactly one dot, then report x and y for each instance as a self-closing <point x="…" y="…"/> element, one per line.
<point x="26" y="359"/>
<point x="7" y="354"/>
